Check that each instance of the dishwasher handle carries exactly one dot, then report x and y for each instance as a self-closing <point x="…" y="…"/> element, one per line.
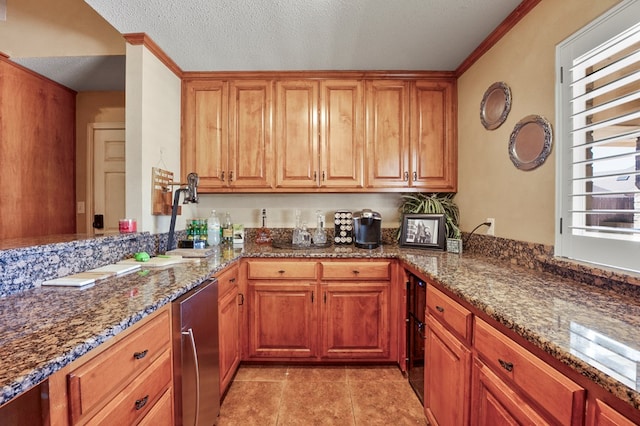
<point x="194" y="350"/>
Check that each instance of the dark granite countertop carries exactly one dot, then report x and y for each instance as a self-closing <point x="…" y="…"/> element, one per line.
<point x="561" y="316"/>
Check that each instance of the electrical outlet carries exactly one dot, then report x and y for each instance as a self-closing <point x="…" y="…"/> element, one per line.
<point x="491" y="230"/>
<point x="80" y="207"/>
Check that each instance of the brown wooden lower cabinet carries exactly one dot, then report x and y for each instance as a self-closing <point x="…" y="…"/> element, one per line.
<point x="559" y="398"/>
<point x="600" y="413"/>
<point x="282" y="320"/>
<point x="121" y="382"/>
<point x="476" y="374"/>
<point x="496" y="403"/>
<point x="162" y="412"/>
<point x="228" y="324"/>
<point x="355" y="320"/>
<point x="294" y="312"/>
<point x="447" y="376"/>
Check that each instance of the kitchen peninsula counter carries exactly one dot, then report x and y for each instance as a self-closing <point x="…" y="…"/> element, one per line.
<point x="46" y="328"/>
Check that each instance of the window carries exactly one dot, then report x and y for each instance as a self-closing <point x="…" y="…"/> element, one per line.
<point x="598" y="127"/>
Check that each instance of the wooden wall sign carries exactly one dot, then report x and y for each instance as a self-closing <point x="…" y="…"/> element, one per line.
<point x="162" y="194"/>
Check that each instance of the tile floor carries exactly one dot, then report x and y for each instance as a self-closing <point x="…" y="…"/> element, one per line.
<point x="324" y="395"/>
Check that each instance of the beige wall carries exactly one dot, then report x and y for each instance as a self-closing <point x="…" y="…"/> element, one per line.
<point x="92" y="107"/>
<point x="36" y="28"/>
<point x="153" y="134"/>
<point x="522" y="203"/>
<point x="245" y="208"/>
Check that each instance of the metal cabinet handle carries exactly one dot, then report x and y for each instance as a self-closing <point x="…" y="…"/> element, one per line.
<point x="323" y="177"/>
<point x="232" y="280"/>
<point x="312" y="296"/>
<point x="189" y="333"/>
<point x="439" y="308"/>
<point x="231" y="176"/>
<point x="140" y="355"/>
<point x="241" y="299"/>
<point x="325" y="297"/>
<point x="315" y="175"/>
<point x="141" y="402"/>
<point x="406" y="176"/>
<point x="421" y="330"/>
<point x="281" y="271"/>
<point x="420" y="324"/>
<point x="415" y="176"/>
<point x="356" y="272"/>
<point x="506" y="365"/>
<point x="222" y="176"/>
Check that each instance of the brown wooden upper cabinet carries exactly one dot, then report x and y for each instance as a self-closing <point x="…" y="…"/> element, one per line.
<point x="411" y="135"/>
<point x="227" y="134"/>
<point x="320" y="134"/>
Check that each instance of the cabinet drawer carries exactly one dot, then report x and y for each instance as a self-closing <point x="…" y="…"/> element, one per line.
<point x="139" y="397"/>
<point x="554" y="392"/>
<point x="449" y="312"/>
<point x="601" y="414"/>
<point x="161" y="414"/>
<point x="227" y="280"/>
<point x="278" y="269"/>
<point x="92" y="382"/>
<point x="356" y="270"/>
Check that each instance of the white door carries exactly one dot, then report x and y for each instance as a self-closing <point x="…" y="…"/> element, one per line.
<point x="108" y="178"/>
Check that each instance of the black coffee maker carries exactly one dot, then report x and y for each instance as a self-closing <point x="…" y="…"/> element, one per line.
<point x="367" y="229"/>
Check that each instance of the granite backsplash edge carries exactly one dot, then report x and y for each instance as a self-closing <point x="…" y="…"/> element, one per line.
<point x="540" y="257"/>
<point x="25" y="268"/>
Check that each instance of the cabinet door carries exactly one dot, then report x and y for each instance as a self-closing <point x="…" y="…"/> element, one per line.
<point x="433" y="136"/>
<point x="559" y="396"/>
<point x="296" y="134"/>
<point x="205" y="121"/>
<point x="447" y="377"/>
<point x="355" y="320"/>
<point x="495" y="403"/>
<point x="228" y="336"/>
<point x="341" y="134"/>
<point x="601" y="414"/>
<point x="387" y="150"/>
<point x="250" y="150"/>
<point x="282" y="320"/>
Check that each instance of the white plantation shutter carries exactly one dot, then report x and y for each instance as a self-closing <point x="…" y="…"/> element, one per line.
<point x="598" y="176"/>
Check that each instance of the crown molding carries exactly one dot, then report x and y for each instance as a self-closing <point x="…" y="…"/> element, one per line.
<point x="143" y="39"/>
<point x="501" y="30"/>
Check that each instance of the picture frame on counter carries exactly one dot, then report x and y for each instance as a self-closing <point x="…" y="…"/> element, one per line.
<point x="423" y="231"/>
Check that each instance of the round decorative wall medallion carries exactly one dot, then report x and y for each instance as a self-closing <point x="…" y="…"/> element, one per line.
<point x="530" y="142"/>
<point x="495" y="105"/>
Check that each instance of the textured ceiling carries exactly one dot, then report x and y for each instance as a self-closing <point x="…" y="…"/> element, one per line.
<point x="80" y="73"/>
<point x="245" y="35"/>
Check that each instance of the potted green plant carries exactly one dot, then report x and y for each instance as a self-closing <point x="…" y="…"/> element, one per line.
<point x="438" y="203"/>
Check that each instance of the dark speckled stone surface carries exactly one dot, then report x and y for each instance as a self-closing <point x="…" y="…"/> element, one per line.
<point x="44" y="329"/>
<point x="565" y="318"/>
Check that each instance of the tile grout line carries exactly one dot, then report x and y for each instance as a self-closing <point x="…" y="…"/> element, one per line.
<point x="284" y="384"/>
<point x="353" y="410"/>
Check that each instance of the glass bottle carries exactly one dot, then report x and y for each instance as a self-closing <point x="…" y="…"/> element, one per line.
<point x="227" y="230"/>
<point x="305" y="236"/>
<point x="204" y="230"/>
<point x="213" y="229"/>
<point x="195" y="224"/>
<point x="263" y="234"/>
<point x="295" y="240"/>
<point x="319" y="236"/>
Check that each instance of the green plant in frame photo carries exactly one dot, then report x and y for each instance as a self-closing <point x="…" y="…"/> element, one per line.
<point x="436" y="202"/>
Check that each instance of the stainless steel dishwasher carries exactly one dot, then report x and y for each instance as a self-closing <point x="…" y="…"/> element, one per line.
<point x="196" y="353"/>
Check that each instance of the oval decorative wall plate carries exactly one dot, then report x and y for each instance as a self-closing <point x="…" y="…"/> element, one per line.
<point x="495" y="105"/>
<point x="530" y="142"/>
